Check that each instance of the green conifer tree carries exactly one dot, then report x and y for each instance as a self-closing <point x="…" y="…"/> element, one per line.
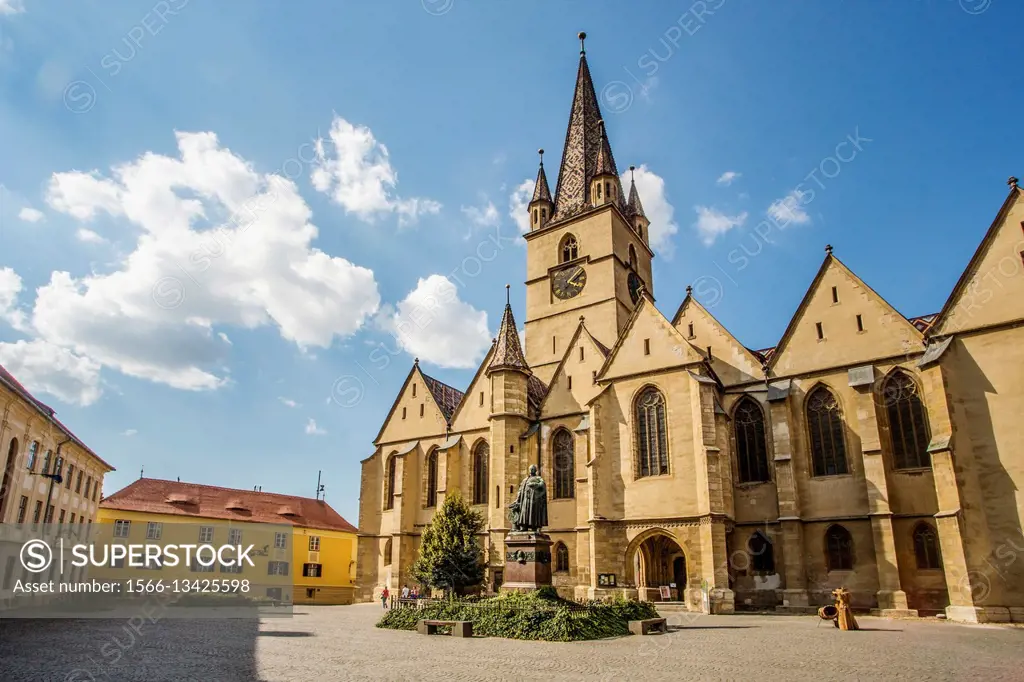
<point x="450" y="556"/>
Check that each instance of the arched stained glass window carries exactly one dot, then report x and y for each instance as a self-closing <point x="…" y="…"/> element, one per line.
<point x="651" y="433"/>
<point x="825" y="425"/>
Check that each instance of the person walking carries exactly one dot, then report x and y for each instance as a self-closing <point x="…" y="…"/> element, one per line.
<point x="405" y="591"/>
<point x="384" y="598"/>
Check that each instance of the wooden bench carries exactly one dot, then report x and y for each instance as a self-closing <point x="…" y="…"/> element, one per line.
<point x="648" y="626"/>
<point x="460" y="628"/>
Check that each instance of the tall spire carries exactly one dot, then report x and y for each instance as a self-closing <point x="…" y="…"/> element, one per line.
<point x="541" y="191"/>
<point x="508" y="352"/>
<point x="633" y="205"/>
<point x="583" y="146"/>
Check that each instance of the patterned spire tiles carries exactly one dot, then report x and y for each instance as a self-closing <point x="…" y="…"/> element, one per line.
<point x="541" y="191"/>
<point x="508" y="353"/>
<point x="633" y="206"/>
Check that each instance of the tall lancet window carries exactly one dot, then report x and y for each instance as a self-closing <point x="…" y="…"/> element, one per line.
<point x="751" y="451"/>
<point x="481" y="454"/>
<point x="825" y="423"/>
<point x="564" y="461"/>
<point x="389" y="484"/>
<point x="431" y="496"/>
<point x="570" y="249"/>
<point x="651" y="433"/>
<point x="908" y="425"/>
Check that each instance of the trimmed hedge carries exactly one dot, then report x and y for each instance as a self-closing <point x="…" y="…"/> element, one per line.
<point x="533" y="616"/>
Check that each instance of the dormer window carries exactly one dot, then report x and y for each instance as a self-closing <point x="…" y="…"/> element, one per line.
<point x="236" y="505"/>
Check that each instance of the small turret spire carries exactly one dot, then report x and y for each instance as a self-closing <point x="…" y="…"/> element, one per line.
<point x="633" y="205"/>
<point x="541" y="190"/>
<point x="508" y="352"/>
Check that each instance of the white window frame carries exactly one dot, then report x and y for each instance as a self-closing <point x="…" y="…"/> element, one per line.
<point x="234" y="536"/>
<point x="280" y="540"/>
<point x="314" y="543"/>
<point x="122" y="528"/>
<point x="205" y="533"/>
<point x="154" y="530"/>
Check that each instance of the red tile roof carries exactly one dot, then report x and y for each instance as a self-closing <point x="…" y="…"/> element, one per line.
<point x="446" y="397"/>
<point x="194" y="500"/>
<point x="47" y="411"/>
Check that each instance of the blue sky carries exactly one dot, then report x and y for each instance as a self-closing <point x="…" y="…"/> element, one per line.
<point x="212" y="353"/>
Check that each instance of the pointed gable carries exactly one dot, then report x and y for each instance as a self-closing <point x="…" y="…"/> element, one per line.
<point x="991" y="289"/>
<point x="583" y="359"/>
<point x="855" y="325"/>
<point x="584" y="144"/>
<point x="648" y="342"/>
<point x="731" y="361"/>
<point x="420" y="410"/>
<point x="474" y="409"/>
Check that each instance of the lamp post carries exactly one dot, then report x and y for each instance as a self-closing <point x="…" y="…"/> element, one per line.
<point x="55" y="478"/>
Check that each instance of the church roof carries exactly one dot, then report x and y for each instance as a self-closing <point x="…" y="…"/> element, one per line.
<point x="536" y="391"/>
<point x="923" y="322"/>
<point x="541" y="191"/>
<point x="584" y="145"/>
<point x="446" y="397"/>
<point x="508" y="352"/>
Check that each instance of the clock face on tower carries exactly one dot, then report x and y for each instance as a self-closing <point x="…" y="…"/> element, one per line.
<point x="568" y="282"/>
<point x="634" y="283"/>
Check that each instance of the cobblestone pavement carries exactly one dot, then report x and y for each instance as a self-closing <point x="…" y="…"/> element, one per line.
<point x="340" y="643"/>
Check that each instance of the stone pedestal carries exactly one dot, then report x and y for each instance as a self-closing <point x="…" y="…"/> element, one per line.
<point x="527" y="562"/>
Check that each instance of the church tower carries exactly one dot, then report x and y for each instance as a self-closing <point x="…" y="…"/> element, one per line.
<point x="587" y="249"/>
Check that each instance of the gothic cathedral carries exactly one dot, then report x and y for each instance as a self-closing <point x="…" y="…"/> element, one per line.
<point x="865" y="450"/>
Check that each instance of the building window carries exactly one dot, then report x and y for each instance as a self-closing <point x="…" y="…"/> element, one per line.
<point x="235" y="536"/>
<point x="49" y="515"/>
<point x="632" y="257"/>
<point x="72" y="519"/>
<point x="389" y="485"/>
<point x="926" y="547"/>
<point x="122" y="528"/>
<point x="431" y="496"/>
<point x="154" y="530"/>
<point x="233" y="568"/>
<point x="200" y="568"/>
<point x="647" y="346"/>
<point x="206" y="534"/>
<point x="280" y="540"/>
<point x="71" y="473"/>
<point x="651" y="437"/>
<point x="22" y="509"/>
<point x="860" y="323"/>
<point x="570" y="249"/>
<point x="762" y="554"/>
<point x="821" y="332"/>
<point x="561" y="557"/>
<point x="37" y="512"/>
<point x="825" y="423"/>
<point x="421" y="410"/>
<point x="908" y="425"/>
<point x="838" y="549"/>
<point x="414" y="390"/>
<point x="277" y="568"/>
<point x="30" y="460"/>
<point x="314" y="543"/>
<point x="568" y="382"/>
<point x="312" y="570"/>
<point x="387" y="552"/>
<point x="581" y="353"/>
<point x="690" y="330"/>
<point x="481" y="398"/>
<point x="835" y="295"/>
<point x="47" y="458"/>
<point x="481" y="454"/>
<point x="60" y="519"/>
<point x="403" y="413"/>
<point x="564" y="459"/>
<point x="88" y="485"/>
<point x="95" y="490"/>
<point x="78" y="483"/>
<point x="751" y="447"/>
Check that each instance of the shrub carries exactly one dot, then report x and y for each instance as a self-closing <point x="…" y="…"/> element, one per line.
<point x="534" y="616"/>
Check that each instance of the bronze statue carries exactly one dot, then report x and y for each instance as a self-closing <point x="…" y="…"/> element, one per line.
<point x="844" y="613"/>
<point x="530" y="509"/>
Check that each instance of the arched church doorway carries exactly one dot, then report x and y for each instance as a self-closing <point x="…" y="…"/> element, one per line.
<point x="658" y="563"/>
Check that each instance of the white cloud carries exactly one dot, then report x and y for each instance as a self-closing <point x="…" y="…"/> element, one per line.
<point x="660" y="212"/>
<point x="29" y="214"/>
<point x="11" y="6"/>
<point x="727" y="178"/>
<point x="128" y="433"/>
<point x="288" y="401"/>
<point x="313" y="430"/>
<point x="789" y="209"/>
<point x="518" y="203"/>
<point x="44" y="367"/>
<point x="224" y="337"/>
<point x="482" y="216"/>
<point x="10" y="287"/>
<point x="84" y="234"/>
<point x="218" y="245"/>
<point x="359" y="176"/>
<point x="711" y="223"/>
<point x="431" y="323"/>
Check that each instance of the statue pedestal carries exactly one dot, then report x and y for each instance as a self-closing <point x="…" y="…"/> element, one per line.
<point x="527" y="562"/>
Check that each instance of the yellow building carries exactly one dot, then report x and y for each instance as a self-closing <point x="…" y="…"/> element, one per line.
<point x="41" y="460"/>
<point x="305" y="552"/>
<point x="866" y="449"/>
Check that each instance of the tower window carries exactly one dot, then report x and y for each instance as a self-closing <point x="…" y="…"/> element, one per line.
<point x="647" y="346"/>
<point x="570" y="248"/>
<point x="543" y="214"/>
<point x="599" y="190"/>
<point x="581" y="353"/>
<point x="821" y="332"/>
<point x="835" y="295"/>
<point x="632" y="256"/>
<point x="534" y="215"/>
<point x="414" y="390"/>
<point x="481" y="398"/>
<point x="690" y="328"/>
<point x="403" y="413"/>
<point x="421" y="409"/>
<point x="860" y="323"/>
